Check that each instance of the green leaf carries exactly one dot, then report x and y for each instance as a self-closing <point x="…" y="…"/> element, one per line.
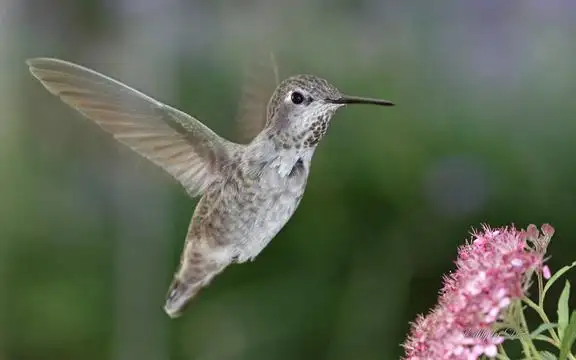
<point x="544" y="338"/>
<point x="540" y="329"/>
<point x="555" y="277"/>
<point x="547" y="355"/>
<point x="563" y="313"/>
<point x="569" y="337"/>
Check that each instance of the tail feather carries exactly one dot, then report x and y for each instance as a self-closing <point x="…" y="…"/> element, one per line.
<point x="179" y="296"/>
<point x="188" y="282"/>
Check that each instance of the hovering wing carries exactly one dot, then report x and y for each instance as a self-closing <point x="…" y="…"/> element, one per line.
<point x="260" y="80"/>
<point x="181" y="145"/>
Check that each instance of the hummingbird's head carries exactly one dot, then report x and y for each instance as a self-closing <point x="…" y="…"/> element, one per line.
<point x="302" y="106"/>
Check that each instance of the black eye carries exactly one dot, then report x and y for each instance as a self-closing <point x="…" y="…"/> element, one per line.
<point x="297" y="98"/>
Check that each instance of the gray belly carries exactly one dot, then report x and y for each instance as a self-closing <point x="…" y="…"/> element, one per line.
<point x="244" y="216"/>
<point x="265" y="218"/>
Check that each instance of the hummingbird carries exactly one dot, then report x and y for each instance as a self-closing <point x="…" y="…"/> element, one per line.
<point x="248" y="191"/>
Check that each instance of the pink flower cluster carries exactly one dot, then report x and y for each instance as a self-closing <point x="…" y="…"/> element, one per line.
<point x="491" y="271"/>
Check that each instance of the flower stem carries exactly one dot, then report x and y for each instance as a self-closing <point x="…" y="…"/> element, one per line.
<point x="544" y="317"/>
<point x="540" y="290"/>
<point x="502" y="353"/>
<point x="526" y="334"/>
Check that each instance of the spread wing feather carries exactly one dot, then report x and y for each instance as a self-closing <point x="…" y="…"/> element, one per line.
<point x="180" y="144"/>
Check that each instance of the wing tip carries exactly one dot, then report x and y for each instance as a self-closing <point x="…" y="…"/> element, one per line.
<point x="37" y="64"/>
<point x="44" y="69"/>
<point x="39" y="61"/>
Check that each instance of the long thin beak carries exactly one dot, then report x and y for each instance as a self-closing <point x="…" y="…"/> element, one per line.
<point x="344" y="99"/>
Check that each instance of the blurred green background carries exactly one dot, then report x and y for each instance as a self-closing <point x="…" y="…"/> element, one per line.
<point x="90" y="233"/>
